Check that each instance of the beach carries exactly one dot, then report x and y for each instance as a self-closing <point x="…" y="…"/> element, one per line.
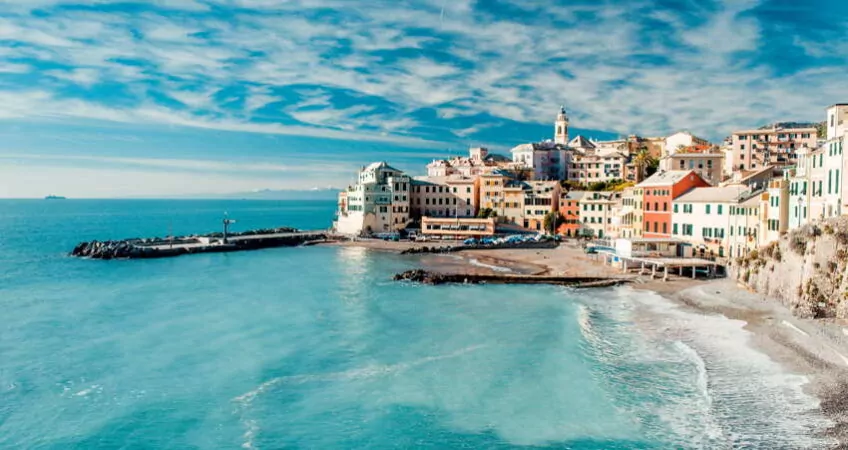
<point x="816" y="349"/>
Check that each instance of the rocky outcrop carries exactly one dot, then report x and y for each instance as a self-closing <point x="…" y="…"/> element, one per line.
<point x="434" y="278"/>
<point x="807" y="270"/>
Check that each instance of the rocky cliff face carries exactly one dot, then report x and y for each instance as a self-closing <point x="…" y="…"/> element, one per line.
<point x="807" y="270"/>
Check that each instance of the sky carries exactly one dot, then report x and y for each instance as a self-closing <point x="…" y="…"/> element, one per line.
<point x="108" y="98"/>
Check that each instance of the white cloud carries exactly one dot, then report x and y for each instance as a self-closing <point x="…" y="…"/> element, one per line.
<point x="82" y="77"/>
<point x="506" y="67"/>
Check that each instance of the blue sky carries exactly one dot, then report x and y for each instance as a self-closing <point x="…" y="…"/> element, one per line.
<point x="108" y="99"/>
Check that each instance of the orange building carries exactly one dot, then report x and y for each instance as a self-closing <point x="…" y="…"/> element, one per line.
<point x="569" y="208"/>
<point x="660" y="189"/>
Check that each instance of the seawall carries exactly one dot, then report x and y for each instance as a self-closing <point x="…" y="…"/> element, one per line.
<point x="163" y="248"/>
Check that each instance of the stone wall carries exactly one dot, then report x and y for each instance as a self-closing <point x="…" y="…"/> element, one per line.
<point x="807" y="270"/>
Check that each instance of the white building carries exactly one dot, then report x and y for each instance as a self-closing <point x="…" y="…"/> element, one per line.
<point x="378" y="203"/>
<point x="835" y="163"/>
<point x="777" y="210"/>
<point x="682" y="139"/>
<point x="818" y="181"/>
<point x="548" y="160"/>
<point x="702" y="217"/>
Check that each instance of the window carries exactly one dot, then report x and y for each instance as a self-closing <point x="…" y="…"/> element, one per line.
<point x="718" y="209"/>
<point x="655" y="226"/>
<point x="674" y="228"/>
<point x="707" y="209"/>
<point x="665" y="206"/>
<point x="665" y="228"/>
<point x="675" y="209"/>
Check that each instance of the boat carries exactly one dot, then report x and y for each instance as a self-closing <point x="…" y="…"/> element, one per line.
<point x="54" y="197"/>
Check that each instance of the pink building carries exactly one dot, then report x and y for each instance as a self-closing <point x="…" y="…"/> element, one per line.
<point x="773" y="145"/>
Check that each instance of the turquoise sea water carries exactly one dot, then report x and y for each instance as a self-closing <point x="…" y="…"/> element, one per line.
<point x="316" y="348"/>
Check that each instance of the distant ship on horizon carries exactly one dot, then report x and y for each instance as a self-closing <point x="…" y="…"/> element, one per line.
<point x="54" y="197"/>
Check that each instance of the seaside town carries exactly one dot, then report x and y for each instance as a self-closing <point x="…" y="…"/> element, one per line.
<point x="680" y="192"/>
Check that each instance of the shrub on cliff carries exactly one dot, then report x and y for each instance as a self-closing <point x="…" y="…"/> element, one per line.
<point x="798" y="243"/>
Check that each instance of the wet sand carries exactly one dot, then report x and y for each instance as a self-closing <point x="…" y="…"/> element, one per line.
<point x="817" y="349"/>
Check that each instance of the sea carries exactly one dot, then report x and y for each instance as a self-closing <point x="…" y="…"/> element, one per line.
<point x="317" y="348"/>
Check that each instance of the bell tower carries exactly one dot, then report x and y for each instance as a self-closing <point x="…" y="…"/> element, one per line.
<point x="561" y="127"/>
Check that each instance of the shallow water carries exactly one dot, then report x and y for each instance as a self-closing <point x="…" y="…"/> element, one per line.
<point x="316" y="348"/>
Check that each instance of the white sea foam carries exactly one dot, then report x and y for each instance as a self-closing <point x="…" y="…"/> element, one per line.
<point x="789" y="325"/>
<point x="243" y="401"/>
<point x="475" y="262"/>
<point x="96" y="388"/>
<point x="736" y="394"/>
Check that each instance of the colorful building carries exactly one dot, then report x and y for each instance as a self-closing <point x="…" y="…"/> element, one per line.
<point x="775" y="144"/>
<point x="596" y="213"/>
<point x="540" y="199"/>
<point x="660" y="190"/>
<point x="569" y="209"/>
<point x="629" y="212"/>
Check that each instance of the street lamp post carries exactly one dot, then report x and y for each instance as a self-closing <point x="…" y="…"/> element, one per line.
<point x="227" y="222"/>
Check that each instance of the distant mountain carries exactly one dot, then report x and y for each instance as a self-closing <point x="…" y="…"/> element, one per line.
<point x="277" y="194"/>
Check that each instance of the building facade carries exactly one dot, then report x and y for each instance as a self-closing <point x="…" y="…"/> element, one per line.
<point x="378" y="203"/>
<point x="773" y="145"/>
<point x="777" y="209"/>
<point x="629" y="213"/>
<point x="594" y="168"/>
<point x="660" y="190"/>
<point x="708" y="166"/>
<point x="540" y="199"/>
<point x="451" y="196"/>
<point x="680" y="140"/>
<point x="596" y="213"/>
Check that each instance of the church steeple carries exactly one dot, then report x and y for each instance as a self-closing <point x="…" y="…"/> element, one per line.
<point x="561" y="127"/>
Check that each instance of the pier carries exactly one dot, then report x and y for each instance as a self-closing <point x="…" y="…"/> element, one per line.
<point x="213" y="243"/>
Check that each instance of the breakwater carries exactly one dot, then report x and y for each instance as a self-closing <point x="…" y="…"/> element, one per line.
<point x="435" y="278"/>
<point x="145" y="248"/>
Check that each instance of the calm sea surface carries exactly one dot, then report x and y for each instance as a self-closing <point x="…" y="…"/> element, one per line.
<point x="316" y="348"/>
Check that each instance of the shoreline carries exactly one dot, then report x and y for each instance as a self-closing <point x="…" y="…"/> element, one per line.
<point x="816" y="349"/>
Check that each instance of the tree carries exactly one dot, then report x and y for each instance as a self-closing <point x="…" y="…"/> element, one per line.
<point x="485" y="213"/>
<point x="646" y="165"/>
<point x="551" y="221"/>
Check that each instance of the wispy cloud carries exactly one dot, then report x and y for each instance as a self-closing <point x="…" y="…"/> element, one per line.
<point x="651" y="71"/>
<point x="420" y="73"/>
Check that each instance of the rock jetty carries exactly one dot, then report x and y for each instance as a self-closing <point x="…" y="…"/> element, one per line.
<point x="435" y="278"/>
<point x="212" y="243"/>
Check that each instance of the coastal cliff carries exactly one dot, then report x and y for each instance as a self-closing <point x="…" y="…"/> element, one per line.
<point x="807" y="270"/>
